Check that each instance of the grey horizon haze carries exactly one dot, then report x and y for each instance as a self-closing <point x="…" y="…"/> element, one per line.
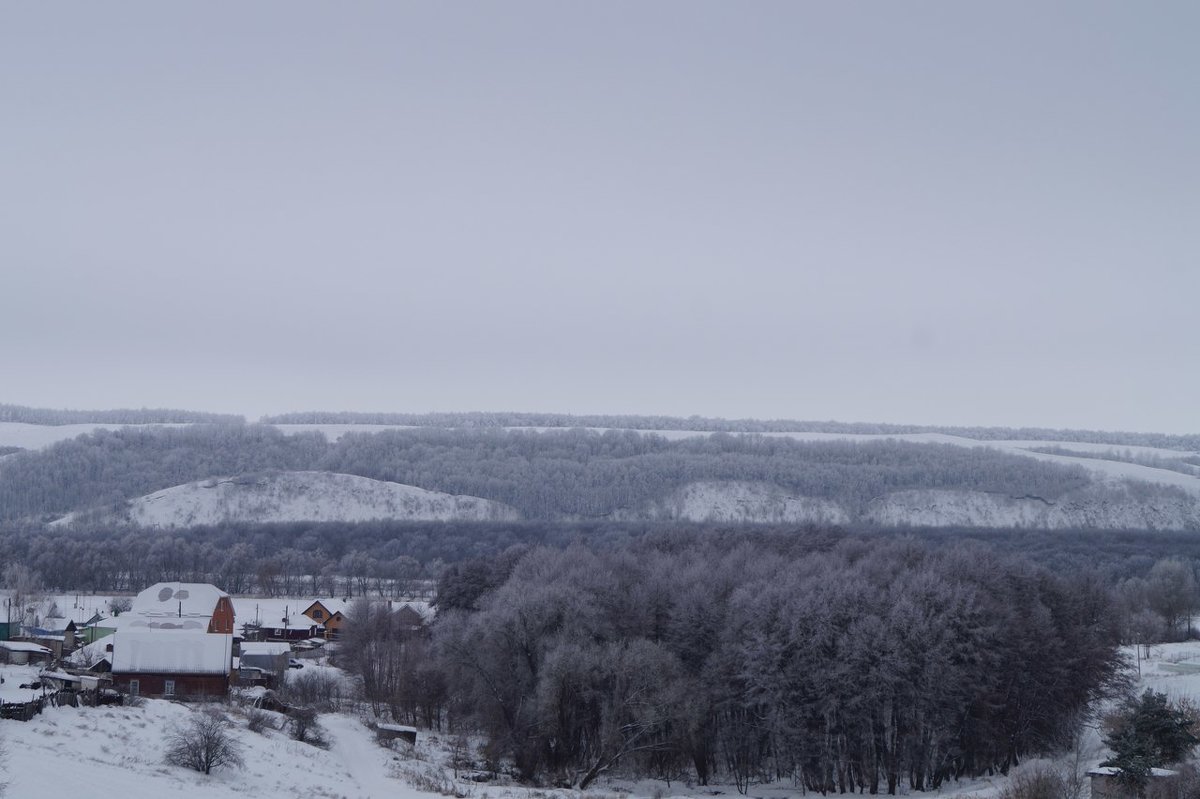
<point x="927" y="213"/>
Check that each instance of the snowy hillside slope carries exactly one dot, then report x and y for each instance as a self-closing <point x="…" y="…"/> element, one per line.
<point x="1111" y="506"/>
<point x="1090" y="508"/>
<point x="710" y="501"/>
<point x="118" y="751"/>
<point x="298" y="496"/>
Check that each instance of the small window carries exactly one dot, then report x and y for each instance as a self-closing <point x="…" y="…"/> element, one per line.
<point x="169" y="688"/>
<point x="318" y="615"/>
<point x="135" y="688"/>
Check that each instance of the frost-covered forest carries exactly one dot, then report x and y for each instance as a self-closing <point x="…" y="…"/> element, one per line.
<point x="544" y="475"/>
<point x="877" y="665"/>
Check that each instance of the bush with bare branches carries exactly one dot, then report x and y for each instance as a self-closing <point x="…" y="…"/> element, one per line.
<point x="204" y="743"/>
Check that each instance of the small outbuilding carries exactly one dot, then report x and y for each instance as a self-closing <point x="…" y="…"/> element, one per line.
<point x="1106" y="783"/>
<point x="21" y="652"/>
<point x="393" y="732"/>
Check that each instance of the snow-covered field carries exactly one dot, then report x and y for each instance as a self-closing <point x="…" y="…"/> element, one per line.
<point x="37" y="436"/>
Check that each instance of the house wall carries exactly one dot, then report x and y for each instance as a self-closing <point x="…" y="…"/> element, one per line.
<point x="222" y="618"/>
<point x="186" y="685"/>
<point x="286" y="634"/>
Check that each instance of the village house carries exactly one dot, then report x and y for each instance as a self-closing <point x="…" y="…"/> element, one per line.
<point x="414" y="617"/>
<point x="176" y="641"/>
<point x="55" y="633"/>
<point x="292" y="627"/>
<point x="197" y="607"/>
<point x="330" y="614"/>
<point x="172" y="664"/>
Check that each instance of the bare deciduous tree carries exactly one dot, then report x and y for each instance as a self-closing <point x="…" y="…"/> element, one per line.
<point x="203" y="743"/>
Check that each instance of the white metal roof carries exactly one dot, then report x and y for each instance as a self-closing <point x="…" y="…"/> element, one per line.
<point x="171" y="652"/>
<point x="178" y="599"/>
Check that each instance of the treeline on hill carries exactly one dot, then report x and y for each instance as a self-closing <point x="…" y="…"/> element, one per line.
<point x="51" y="416"/>
<point x="385" y="558"/>
<point x="549" y="475"/>
<point x="479" y="420"/>
<point x="877" y="665"/>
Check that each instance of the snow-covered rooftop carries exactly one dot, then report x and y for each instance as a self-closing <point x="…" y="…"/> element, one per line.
<point x="179" y="600"/>
<point x="1111" y="770"/>
<point x="91" y="653"/>
<point x="332" y="605"/>
<point x="265" y="648"/>
<point x="24" y="646"/>
<point x="174" y="652"/>
<point x="55" y="624"/>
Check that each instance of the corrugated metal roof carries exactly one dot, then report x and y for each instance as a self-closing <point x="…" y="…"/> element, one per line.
<point x="171" y="652"/>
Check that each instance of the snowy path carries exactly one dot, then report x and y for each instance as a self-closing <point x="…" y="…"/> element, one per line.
<point x="366" y="763"/>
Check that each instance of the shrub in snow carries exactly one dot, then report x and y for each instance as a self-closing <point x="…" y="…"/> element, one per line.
<point x="306" y="727"/>
<point x="1041" y="782"/>
<point x="203" y="743"/>
<point x="258" y="720"/>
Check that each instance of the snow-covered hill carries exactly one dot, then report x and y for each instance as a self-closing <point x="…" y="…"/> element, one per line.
<point x="298" y="496"/>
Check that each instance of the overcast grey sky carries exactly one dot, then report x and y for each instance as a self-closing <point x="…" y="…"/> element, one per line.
<point x="905" y="212"/>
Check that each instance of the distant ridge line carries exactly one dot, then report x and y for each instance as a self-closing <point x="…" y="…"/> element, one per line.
<point x="53" y="417"/>
<point x="484" y="420"/>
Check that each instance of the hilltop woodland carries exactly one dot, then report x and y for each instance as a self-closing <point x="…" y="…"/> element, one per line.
<point x="561" y="474"/>
<point x="478" y="420"/>
<point x="879" y="666"/>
